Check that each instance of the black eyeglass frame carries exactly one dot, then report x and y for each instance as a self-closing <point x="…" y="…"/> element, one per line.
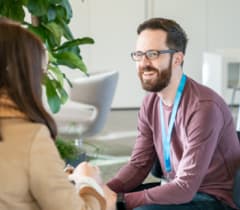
<point x="159" y="52"/>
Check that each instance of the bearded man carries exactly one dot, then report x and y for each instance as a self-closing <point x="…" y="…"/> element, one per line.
<point x="185" y="125"/>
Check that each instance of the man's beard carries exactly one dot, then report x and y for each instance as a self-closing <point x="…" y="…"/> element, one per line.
<point x="160" y="82"/>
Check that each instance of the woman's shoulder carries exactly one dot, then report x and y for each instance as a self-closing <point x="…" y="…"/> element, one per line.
<point x="24" y="129"/>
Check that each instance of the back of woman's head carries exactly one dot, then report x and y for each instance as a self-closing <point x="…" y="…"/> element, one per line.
<point x="22" y="57"/>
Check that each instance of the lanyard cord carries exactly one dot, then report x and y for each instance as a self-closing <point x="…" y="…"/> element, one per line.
<point x="166" y="138"/>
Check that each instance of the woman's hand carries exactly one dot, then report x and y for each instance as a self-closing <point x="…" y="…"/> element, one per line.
<point x="86" y="169"/>
<point x="69" y="169"/>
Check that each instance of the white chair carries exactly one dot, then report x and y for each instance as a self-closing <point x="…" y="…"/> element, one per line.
<point x="238" y="119"/>
<point x="90" y="99"/>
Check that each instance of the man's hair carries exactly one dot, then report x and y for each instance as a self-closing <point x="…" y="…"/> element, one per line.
<point x="21" y="71"/>
<point x="176" y="36"/>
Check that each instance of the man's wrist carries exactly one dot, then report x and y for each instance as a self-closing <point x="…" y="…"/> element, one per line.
<point x="120" y="205"/>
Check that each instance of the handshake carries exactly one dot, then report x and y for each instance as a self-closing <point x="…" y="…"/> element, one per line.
<point x="87" y="180"/>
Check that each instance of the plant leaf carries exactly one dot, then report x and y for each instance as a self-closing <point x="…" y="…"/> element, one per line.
<point x="67" y="149"/>
<point x="66" y="5"/>
<point x="63" y="95"/>
<point x="51" y="14"/>
<point x="76" y="42"/>
<point x="68" y="81"/>
<point x="66" y="30"/>
<point x="38" y="7"/>
<point x="53" y="76"/>
<point x="46" y="35"/>
<point x="55" y="32"/>
<point x="57" y="73"/>
<point x="40" y="31"/>
<point x="61" y="13"/>
<point x="55" y="1"/>
<point x="51" y="58"/>
<point x="23" y="2"/>
<point x="12" y="10"/>
<point x="71" y="60"/>
<point x="53" y="99"/>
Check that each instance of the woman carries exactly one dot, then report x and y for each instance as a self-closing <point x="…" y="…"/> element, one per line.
<point x="31" y="169"/>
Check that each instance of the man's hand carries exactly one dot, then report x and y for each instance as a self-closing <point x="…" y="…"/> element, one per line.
<point x="111" y="197"/>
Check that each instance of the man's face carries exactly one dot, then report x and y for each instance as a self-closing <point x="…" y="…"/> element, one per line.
<point x="154" y="74"/>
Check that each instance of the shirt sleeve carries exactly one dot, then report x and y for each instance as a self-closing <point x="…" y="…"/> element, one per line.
<point x="48" y="183"/>
<point x="203" y="128"/>
<point x="137" y="169"/>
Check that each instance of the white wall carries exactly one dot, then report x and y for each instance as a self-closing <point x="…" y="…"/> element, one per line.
<point x="113" y="26"/>
<point x="191" y="15"/>
<point x="210" y="25"/>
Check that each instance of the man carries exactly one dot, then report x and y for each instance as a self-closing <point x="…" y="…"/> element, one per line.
<point x="187" y="126"/>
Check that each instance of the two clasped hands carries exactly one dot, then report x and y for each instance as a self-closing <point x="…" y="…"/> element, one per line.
<point x="87" y="177"/>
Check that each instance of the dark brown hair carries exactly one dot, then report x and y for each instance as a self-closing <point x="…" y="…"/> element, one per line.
<point x="21" y="58"/>
<point x="176" y="36"/>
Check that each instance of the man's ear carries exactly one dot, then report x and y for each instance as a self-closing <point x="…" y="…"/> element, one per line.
<point x="178" y="59"/>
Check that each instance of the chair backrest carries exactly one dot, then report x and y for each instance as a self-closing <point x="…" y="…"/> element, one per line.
<point x="97" y="90"/>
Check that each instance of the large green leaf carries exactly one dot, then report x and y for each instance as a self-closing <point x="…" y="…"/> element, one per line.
<point x="40" y="31"/>
<point x="53" y="98"/>
<point x="74" y="49"/>
<point x="68" y="81"/>
<point x="76" y="42"/>
<point x="45" y="34"/>
<point x="57" y="73"/>
<point x="61" y="13"/>
<point x="66" y="5"/>
<point x="51" y="58"/>
<point x="63" y="95"/>
<point x="55" y="32"/>
<point x="71" y="60"/>
<point x="38" y="7"/>
<point x="66" y="30"/>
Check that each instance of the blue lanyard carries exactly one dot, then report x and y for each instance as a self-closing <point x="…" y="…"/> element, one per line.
<point x="166" y="138"/>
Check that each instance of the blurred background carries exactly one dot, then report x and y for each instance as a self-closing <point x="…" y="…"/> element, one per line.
<point x="212" y="58"/>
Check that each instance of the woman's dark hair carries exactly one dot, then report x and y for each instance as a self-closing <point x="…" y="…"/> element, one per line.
<point x="21" y="71"/>
<point x="176" y="36"/>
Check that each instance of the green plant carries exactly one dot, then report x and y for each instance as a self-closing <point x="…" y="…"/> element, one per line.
<point x="67" y="149"/>
<point x="72" y="153"/>
<point x="49" y="20"/>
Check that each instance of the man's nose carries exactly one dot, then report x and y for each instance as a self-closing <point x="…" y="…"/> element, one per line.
<point x="145" y="60"/>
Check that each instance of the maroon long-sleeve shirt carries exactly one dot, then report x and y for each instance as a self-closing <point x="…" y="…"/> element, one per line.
<point x="205" y="151"/>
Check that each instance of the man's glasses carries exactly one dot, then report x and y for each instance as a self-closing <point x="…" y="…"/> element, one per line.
<point x="150" y="54"/>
